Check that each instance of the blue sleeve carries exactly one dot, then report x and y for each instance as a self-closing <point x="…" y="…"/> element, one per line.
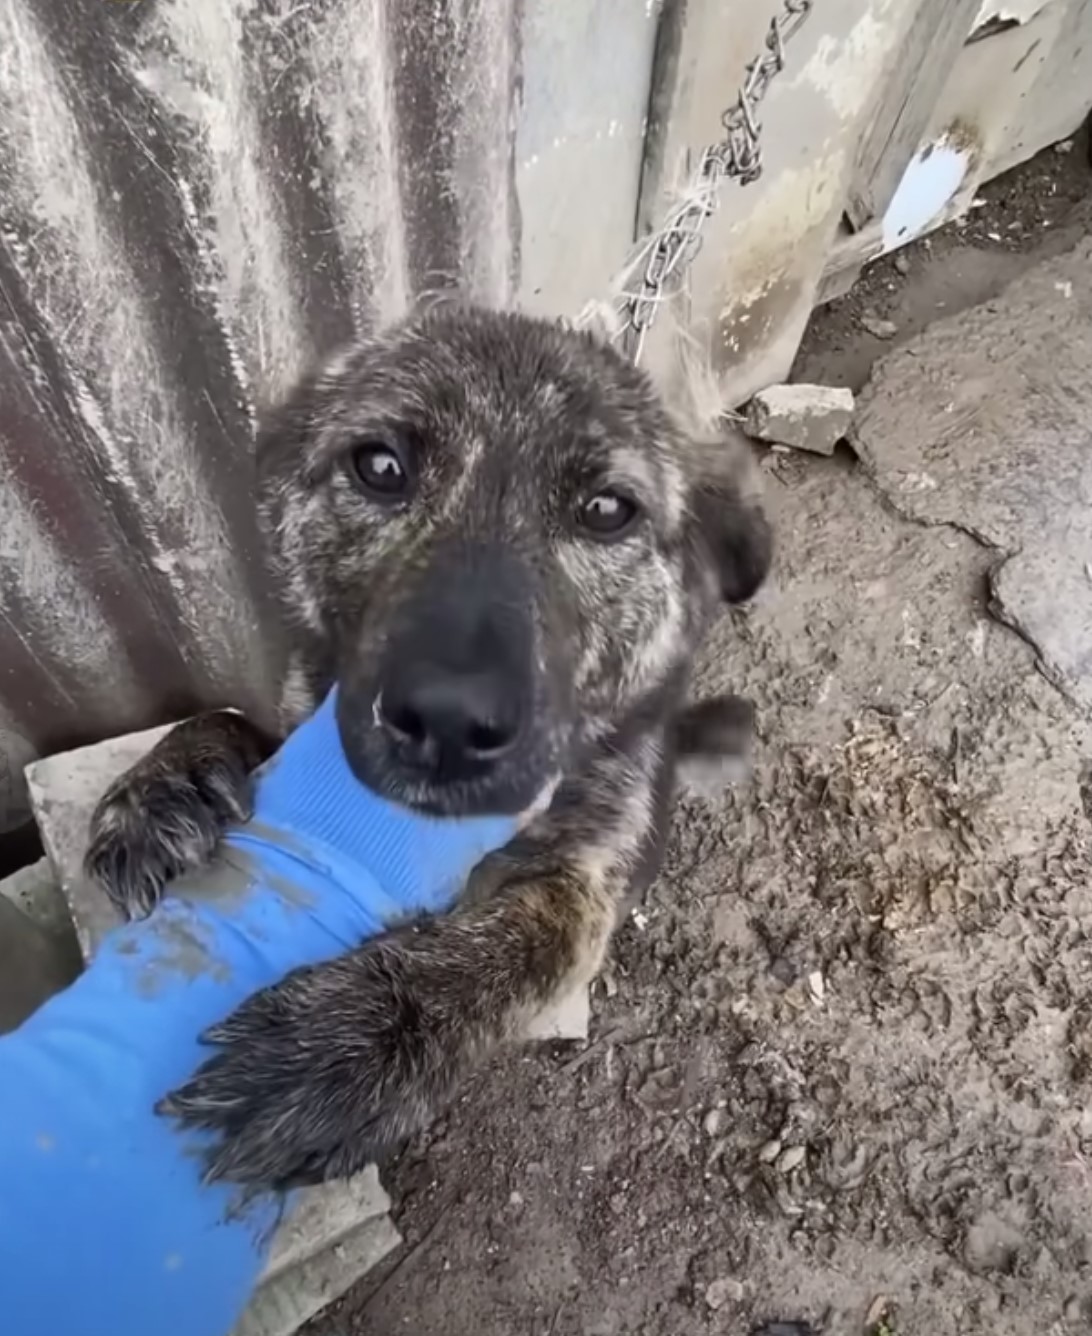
<point x="105" y="1226"/>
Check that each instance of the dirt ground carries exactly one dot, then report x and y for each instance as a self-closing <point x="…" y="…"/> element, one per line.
<point x="839" y="1065"/>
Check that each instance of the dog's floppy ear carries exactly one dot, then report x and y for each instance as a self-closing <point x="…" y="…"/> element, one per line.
<point x="728" y="522"/>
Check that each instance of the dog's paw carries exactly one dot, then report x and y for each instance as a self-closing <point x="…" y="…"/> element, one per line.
<point x="714" y="739"/>
<point x="166" y="815"/>
<point x="320" y="1075"/>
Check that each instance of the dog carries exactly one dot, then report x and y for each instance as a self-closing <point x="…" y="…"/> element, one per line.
<point x="491" y="534"/>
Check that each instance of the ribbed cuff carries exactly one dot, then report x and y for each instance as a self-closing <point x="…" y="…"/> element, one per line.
<point x="308" y="791"/>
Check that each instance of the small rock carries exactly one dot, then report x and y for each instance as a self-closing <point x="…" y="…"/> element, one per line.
<point x="1066" y="146"/>
<point x="713" y="1122"/>
<point x="878" y="1309"/>
<point x="991" y="1244"/>
<point x="722" y="1291"/>
<point x="878" y="327"/>
<point x="791" y="1158"/>
<point x="817" y="986"/>
<point x="807" y="417"/>
<point x="902" y="265"/>
<point x="1077" y="1311"/>
<point x="769" y="1152"/>
<point x="784" y="971"/>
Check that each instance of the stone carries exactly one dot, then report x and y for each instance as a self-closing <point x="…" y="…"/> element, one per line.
<point x="991" y="1245"/>
<point x="282" y="1305"/>
<point x="791" y="1158"/>
<point x="567" y="1019"/>
<point x="878" y="1310"/>
<point x="878" y="327"/>
<point x="722" y="1291"/>
<point x="331" y="1213"/>
<point x="806" y="417"/>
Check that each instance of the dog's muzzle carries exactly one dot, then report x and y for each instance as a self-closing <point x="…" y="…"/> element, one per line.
<point x="452" y="717"/>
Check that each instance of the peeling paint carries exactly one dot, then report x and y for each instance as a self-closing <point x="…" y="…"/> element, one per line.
<point x="830" y="69"/>
<point x="1008" y="11"/>
<point x="928" y="186"/>
<point x="765" y="249"/>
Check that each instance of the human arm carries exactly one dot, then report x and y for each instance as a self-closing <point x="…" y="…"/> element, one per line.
<point x="105" y="1223"/>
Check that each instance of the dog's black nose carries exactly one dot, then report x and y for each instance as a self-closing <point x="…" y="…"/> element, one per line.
<point x="447" y="717"/>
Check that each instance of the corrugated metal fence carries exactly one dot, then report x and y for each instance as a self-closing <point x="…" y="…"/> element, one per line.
<point x="196" y="196"/>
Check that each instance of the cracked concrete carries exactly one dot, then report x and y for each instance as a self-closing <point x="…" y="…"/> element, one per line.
<point x="985" y="423"/>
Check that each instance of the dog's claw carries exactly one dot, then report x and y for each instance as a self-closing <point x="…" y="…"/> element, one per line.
<point x="315" y="1077"/>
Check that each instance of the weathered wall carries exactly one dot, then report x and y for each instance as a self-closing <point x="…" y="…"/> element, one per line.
<point x="197" y="197"/>
<point x="754" y="281"/>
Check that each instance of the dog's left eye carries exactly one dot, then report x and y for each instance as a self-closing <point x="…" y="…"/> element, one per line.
<point x="608" y="514"/>
<point x="378" y="470"/>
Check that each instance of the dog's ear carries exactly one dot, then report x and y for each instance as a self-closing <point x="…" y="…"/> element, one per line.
<point x="728" y="520"/>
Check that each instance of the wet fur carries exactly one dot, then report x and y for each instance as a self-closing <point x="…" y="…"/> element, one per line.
<point x="339" y="1063"/>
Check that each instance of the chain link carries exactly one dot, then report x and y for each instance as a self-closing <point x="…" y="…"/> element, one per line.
<point x="738" y="156"/>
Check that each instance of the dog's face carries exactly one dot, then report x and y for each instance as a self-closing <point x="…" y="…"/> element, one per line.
<point x="504" y="545"/>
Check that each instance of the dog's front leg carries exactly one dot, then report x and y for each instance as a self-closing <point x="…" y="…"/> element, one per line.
<point x="338" y="1064"/>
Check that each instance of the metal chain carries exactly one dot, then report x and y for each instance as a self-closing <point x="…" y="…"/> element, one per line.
<point x="738" y="156"/>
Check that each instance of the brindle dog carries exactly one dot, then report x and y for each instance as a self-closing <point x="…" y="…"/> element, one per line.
<point x="490" y="533"/>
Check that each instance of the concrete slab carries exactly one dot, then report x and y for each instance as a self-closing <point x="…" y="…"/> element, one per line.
<point x="336" y="1232"/>
<point x="280" y="1307"/>
<point x="807" y="417"/>
<point x="984" y="422"/>
<point x="34" y="889"/>
<point x="63" y="791"/>
<point x="325" y="1216"/>
<point x="39" y="954"/>
<point x="31" y="970"/>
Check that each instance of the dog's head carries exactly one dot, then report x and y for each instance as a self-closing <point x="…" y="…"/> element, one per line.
<point x="504" y="544"/>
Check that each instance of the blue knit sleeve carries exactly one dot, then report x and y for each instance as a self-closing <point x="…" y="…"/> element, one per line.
<point x="105" y="1226"/>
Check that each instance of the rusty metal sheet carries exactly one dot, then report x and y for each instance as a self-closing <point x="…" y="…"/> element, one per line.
<point x="197" y="198"/>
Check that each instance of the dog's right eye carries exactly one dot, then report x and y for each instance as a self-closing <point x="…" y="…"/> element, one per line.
<point x="379" y="471"/>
